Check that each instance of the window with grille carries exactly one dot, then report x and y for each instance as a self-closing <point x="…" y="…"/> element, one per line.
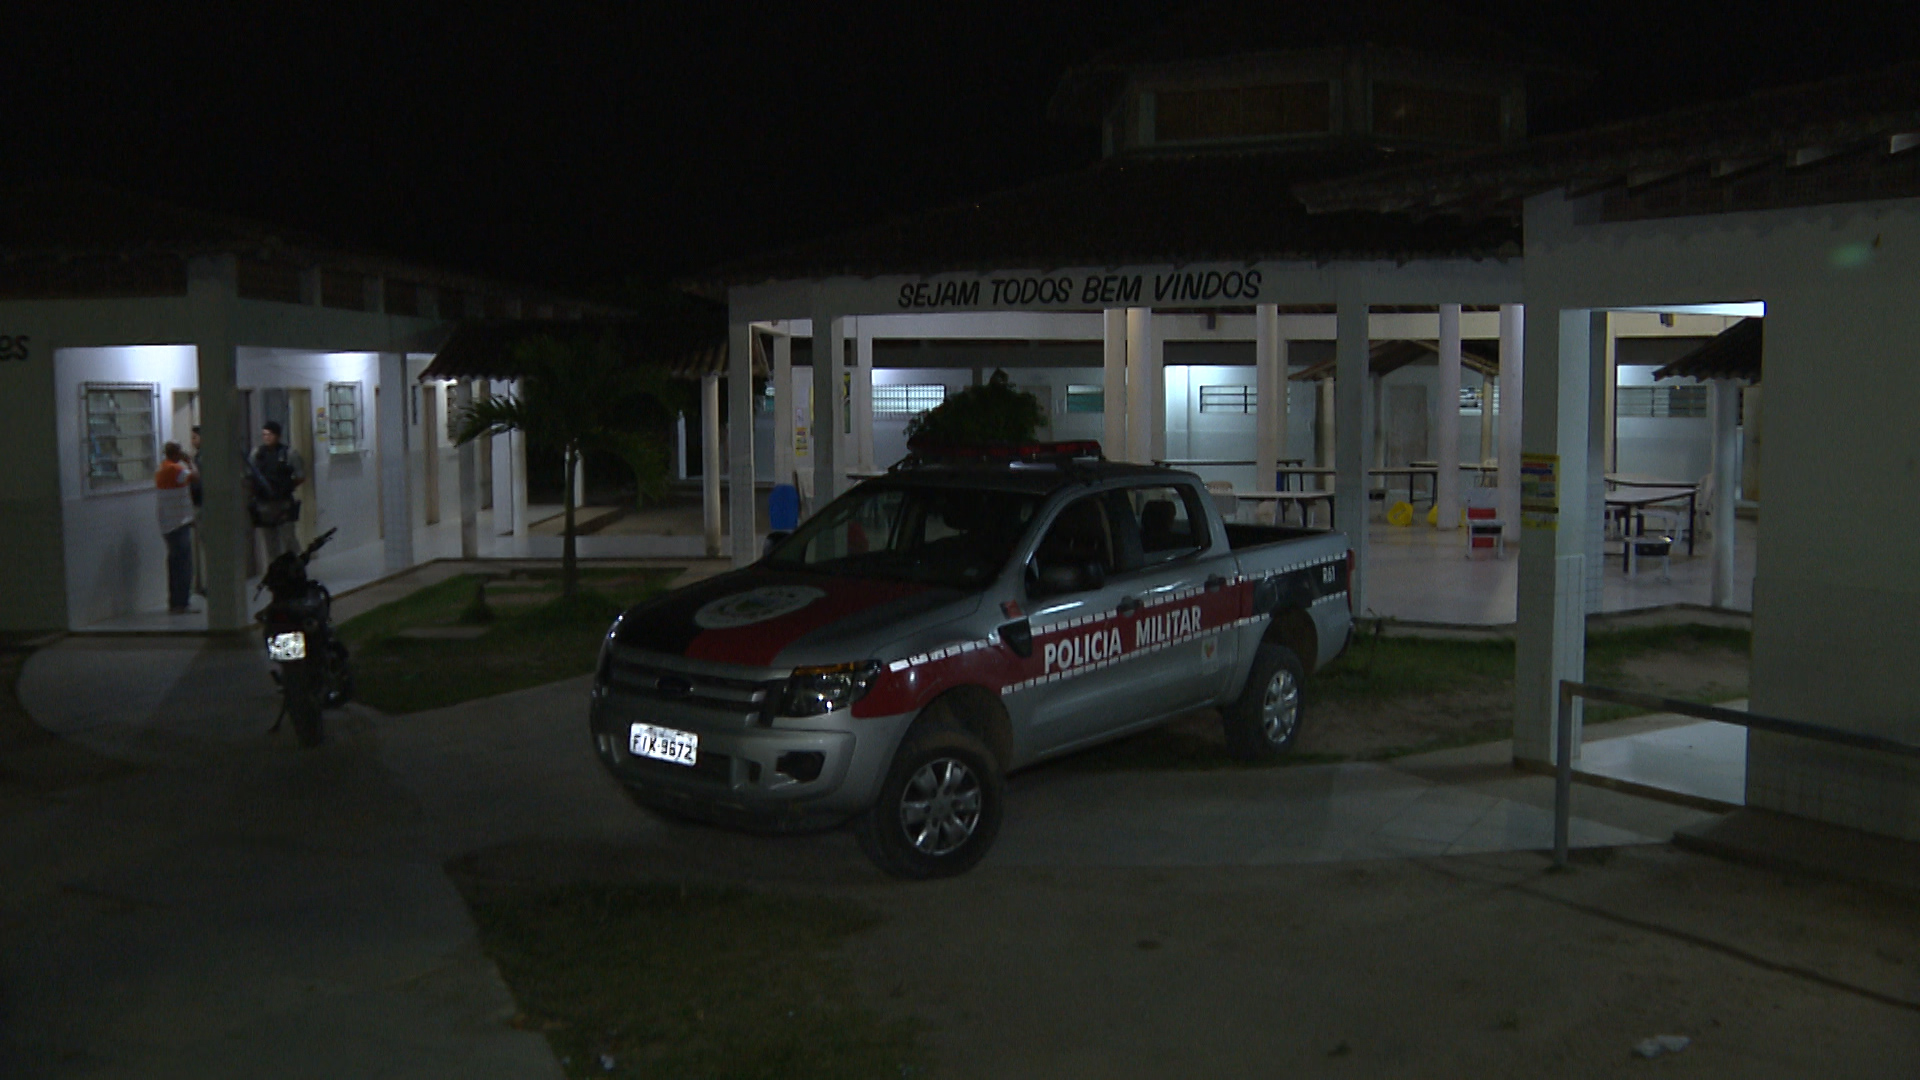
<point x="1228" y="399"/>
<point x="907" y="400"/>
<point x="346" y="428"/>
<point x="1661" y="401"/>
<point x="120" y="442"/>
<point x="1082" y="398"/>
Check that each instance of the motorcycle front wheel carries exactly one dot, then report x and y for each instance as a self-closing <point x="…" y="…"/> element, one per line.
<point x="303" y="690"/>
<point x="339" y="675"/>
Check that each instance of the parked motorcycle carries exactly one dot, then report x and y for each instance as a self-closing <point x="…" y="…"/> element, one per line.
<point x="298" y="625"/>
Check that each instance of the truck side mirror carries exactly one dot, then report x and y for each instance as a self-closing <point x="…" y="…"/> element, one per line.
<point x="1018" y="636"/>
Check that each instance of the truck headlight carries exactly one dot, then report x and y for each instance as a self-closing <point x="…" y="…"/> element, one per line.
<point x="813" y="690"/>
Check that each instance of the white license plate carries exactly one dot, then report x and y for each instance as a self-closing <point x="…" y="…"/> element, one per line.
<point x="663" y="744"/>
<point x="291" y="646"/>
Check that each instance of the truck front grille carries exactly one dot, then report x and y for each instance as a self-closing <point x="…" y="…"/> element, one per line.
<point x="651" y="678"/>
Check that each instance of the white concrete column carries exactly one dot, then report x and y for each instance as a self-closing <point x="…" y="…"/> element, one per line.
<point x="396" y="472"/>
<point x="1724" y="407"/>
<point x="1377" y="397"/>
<point x="1113" y="431"/>
<point x="680" y="446"/>
<point x="742" y="521"/>
<point x="1142" y="373"/>
<point x="1446" y="490"/>
<point x="226" y="534"/>
<point x="1610" y="382"/>
<point x="1323" y="428"/>
<point x="1270" y="391"/>
<point x="469" y="473"/>
<point x="861" y="454"/>
<point x="1156" y="373"/>
<point x="829" y="362"/>
<point x="501" y="447"/>
<point x="1353" y="404"/>
<point x="782" y="376"/>
<point x="1553" y="594"/>
<point x="1593" y="483"/>
<point x="710" y="461"/>
<point x="580" y="482"/>
<point x="1513" y="324"/>
<point x="521" y="524"/>
<point x="1489" y="386"/>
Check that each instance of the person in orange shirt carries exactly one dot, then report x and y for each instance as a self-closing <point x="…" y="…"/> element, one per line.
<point x="173" y="482"/>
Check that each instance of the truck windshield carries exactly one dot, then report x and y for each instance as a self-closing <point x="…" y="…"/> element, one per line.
<point x="943" y="536"/>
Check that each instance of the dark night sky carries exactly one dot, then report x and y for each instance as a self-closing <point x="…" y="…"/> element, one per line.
<point x="577" y="145"/>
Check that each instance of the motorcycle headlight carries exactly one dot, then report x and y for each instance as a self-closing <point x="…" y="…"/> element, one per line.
<point x="818" y="689"/>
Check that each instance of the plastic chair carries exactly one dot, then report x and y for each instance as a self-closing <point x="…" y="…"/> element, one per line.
<point x="1485" y="530"/>
<point x="1652" y="546"/>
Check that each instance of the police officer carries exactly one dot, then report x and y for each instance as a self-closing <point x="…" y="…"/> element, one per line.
<point x="277" y="473"/>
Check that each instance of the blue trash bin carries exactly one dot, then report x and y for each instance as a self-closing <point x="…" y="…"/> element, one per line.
<point x="783" y="508"/>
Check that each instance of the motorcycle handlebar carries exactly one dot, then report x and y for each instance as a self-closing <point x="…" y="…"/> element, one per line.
<point x="318" y="542"/>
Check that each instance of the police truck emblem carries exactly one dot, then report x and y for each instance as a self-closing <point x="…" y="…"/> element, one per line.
<point x="757" y="605"/>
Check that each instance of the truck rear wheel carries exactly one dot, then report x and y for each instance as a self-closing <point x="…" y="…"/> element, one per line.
<point x="939" y="808"/>
<point x="1265" y="722"/>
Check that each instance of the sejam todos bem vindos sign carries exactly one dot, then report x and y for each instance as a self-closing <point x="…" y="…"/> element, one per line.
<point x="1186" y="286"/>
<point x="1082" y="289"/>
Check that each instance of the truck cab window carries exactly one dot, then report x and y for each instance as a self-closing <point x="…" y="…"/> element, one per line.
<point x="1170" y="525"/>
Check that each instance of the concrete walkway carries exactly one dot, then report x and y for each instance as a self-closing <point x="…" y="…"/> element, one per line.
<point x="242" y="908"/>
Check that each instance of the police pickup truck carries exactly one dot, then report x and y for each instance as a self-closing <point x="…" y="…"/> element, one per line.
<point x="958" y="618"/>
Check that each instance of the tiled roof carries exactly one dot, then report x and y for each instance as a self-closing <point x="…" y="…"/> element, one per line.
<point x="1734" y="353"/>
<point x="1244" y="30"/>
<point x="1835" y="141"/>
<point x="1177" y="209"/>
<point x="689" y="347"/>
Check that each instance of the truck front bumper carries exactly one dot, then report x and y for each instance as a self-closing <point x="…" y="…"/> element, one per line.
<point x="792" y="774"/>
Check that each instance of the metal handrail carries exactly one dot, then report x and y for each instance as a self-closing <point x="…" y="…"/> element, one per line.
<point x="1563" y="739"/>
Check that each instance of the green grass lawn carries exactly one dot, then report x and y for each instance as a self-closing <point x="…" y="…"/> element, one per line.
<point x="660" y="980"/>
<point x="532" y="636"/>
<point x="1377" y="667"/>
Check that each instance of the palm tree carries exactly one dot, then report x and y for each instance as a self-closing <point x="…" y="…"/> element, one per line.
<point x="580" y="394"/>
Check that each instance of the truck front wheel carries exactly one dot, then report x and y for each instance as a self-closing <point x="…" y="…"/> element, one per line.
<point x="939" y="809"/>
<point x="1264" y="722"/>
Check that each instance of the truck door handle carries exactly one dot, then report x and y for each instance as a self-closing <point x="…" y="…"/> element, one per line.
<point x="1127" y="605"/>
<point x="1216" y="583"/>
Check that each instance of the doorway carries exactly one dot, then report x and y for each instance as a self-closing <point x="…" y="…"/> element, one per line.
<point x="292" y="407"/>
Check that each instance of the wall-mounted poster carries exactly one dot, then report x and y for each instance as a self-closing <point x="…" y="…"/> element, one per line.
<point x="1540" y="491"/>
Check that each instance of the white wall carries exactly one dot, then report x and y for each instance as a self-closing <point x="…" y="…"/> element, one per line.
<point x="1836" y="586"/>
<point x="1670" y="447"/>
<point x="116" y="561"/>
<point x="345" y="488"/>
